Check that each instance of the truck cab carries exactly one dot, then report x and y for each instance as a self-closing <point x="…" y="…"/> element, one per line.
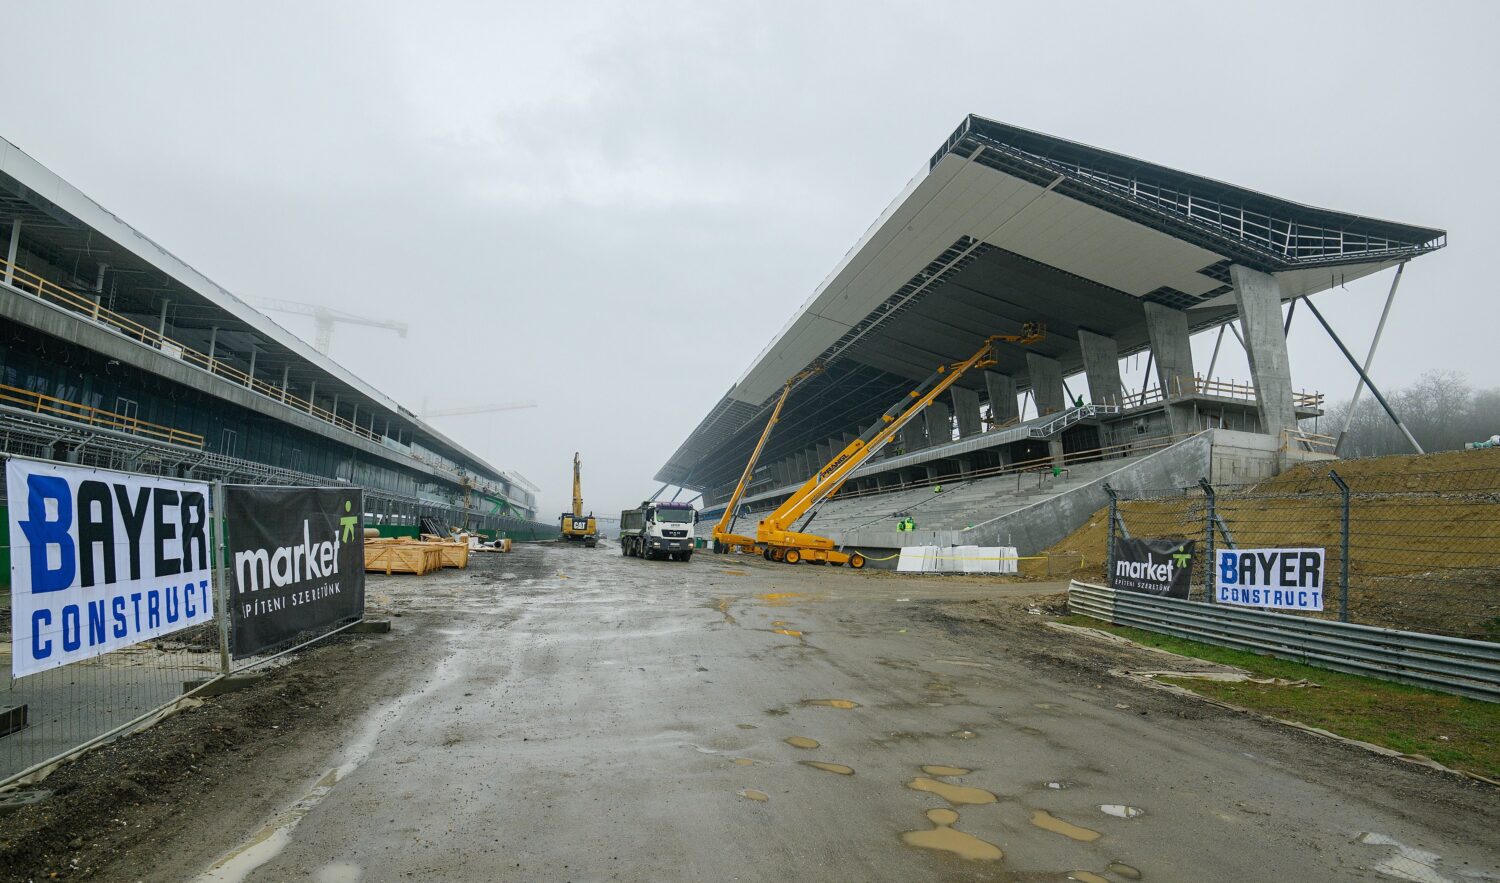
<point x="658" y="530"/>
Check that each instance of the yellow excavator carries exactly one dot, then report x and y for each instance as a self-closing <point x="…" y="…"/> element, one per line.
<point x="577" y="527"/>
<point x="724" y="539"/>
<point x="776" y="535"/>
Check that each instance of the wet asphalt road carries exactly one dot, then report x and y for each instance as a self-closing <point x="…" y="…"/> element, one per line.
<point x="592" y="717"/>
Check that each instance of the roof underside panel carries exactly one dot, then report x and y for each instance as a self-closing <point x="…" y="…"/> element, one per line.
<point x="1008" y="227"/>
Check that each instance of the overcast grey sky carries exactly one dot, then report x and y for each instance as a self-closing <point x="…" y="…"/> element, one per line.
<point x="612" y="208"/>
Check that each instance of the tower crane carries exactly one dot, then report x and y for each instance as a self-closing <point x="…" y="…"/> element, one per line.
<point x="724" y="540"/>
<point x="475" y="409"/>
<point x="325" y="317"/>
<point x="777" y="533"/>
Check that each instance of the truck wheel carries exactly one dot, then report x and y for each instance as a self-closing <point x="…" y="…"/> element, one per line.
<point x="766" y="553"/>
<point x="792" y="556"/>
<point x="624" y="548"/>
<point x="857" y="561"/>
<point x="686" y="557"/>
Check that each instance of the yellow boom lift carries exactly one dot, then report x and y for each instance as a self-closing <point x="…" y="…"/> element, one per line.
<point x="577" y="527"/>
<point x="776" y="535"/>
<point x="724" y="540"/>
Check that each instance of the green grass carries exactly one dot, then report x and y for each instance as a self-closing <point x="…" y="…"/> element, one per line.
<point x="1460" y="733"/>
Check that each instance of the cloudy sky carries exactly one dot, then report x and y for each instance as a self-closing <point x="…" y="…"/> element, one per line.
<point x="611" y="208"/>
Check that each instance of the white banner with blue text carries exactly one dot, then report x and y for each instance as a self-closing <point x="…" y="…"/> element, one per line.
<point x="101" y="560"/>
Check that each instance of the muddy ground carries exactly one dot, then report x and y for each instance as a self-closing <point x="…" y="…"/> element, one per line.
<point x="568" y="714"/>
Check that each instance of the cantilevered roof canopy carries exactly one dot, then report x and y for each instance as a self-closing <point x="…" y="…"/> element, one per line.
<point x="1007" y="226"/>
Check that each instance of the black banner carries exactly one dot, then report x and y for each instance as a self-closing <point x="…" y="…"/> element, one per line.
<point x="296" y="562"/>
<point x="1154" y="567"/>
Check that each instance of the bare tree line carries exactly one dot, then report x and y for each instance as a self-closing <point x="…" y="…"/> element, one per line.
<point x="1442" y="410"/>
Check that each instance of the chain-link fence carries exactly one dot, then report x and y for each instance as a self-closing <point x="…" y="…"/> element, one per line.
<point x="48" y="715"/>
<point x="1411" y="550"/>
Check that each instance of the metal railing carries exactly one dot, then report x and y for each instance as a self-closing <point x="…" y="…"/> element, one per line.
<point x="1224" y="389"/>
<point x="44" y="404"/>
<point x="1068" y="418"/>
<point x="1450" y="665"/>
<point x="89" y="308"/>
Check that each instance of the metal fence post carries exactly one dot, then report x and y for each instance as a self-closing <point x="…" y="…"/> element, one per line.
<point x="221" y="571"/>
<point x="1114" y="519"/>
<point x="1343" y="546"/>
<point x="1210" y="511"/>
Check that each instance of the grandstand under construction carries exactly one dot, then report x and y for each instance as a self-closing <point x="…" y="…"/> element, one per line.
<point x="1115" y="257"/>
<point x="116" y="353"/>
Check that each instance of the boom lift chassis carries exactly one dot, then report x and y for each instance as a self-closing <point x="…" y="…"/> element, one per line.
<point x="776" y="536"/>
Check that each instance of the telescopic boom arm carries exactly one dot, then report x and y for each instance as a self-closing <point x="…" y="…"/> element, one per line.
<point x="723" y="539"/>
<point x="775" y="530"/>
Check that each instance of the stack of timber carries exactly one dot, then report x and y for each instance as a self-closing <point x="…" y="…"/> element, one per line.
<point x="404" y="555"/>
<point x="398" y="555"/>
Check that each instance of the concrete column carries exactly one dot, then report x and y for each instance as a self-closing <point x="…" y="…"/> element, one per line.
<point x="939" y="422"/>
<point x="286" y="377"/>
<point x="1101" y="367"/>
<point x="213" y="347"/>
<point x="966" y="407"/>
<point x="161" y="328"/>
<point x="312" y="399"/>
<point x="1003" y="404"/>
<point x="15" y="249"/>
<point x="1055" y="451"/>
<point x="335" y="408"/>
<point x="1171" y="349"/>
<point x="1258" y="296"/>
<point x="1046" y="383"/>
<point x="914" y="434"/>
<point x="1172" y="353"/>
<point x="250" y="375"/>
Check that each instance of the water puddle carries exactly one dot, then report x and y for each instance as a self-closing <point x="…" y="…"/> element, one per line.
<point x="1121" y="811"/>
<point x="1049" y="822"/>
<point x="743" y="761"/>
<point x="838" y="768"/>
<point x="735" y="572"/>
<point x="1059" y="785"/>
<point x="273" y="837"/>
<point x="934" y="769"/>
<point x="832" y="703"/>
<point x="958" y="795"/>
<point x="339" y="872"/>
<point x="1050" y="706"/>
<point x="752" y="794"/>
<point x="777" y="599"/>
<point x="1087" y="877"/>
<point x="790" y="633"/>
<point x="964" y="734"/>
<point x="778" y="622"/>
<point x="801" y="742"/>
<point x="723" y="608"/>
<point x="1120" y="869"/>
<point x="945" y="838"/>
<point x="746" y="726"/>
<point x="1408" y="862"/>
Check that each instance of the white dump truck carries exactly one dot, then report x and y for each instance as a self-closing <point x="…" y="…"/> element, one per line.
<point x="658" y="530"/>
